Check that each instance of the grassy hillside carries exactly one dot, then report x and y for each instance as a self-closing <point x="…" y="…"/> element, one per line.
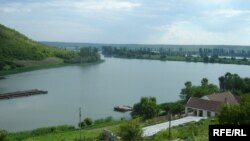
<point x="15" y="46"/>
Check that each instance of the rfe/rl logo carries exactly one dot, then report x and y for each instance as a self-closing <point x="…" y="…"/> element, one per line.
<point x="229" y="132"/>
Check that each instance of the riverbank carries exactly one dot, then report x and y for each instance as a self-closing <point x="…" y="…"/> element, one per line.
<point x="30" y="65"/>
<point x="189" y="59"/>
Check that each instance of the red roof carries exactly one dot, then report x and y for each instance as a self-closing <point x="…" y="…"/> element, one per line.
<point x="227" y="97"/>
<point x="208" y="105"/>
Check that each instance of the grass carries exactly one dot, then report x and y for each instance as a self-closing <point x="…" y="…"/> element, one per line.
<point x="66" y="133"/>
<point x="195" y="131"/>
<point x="29" y="65"/>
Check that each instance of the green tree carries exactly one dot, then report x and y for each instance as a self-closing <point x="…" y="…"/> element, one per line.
<point x="3" y="135"/>
<point x="234" y="83"/>
<point x="147" y="108"/>
<point x="88" y="121"/>
<point x="175" y="107"/>
<point x="187" y="91"/>
<point x="131" y="131"/>
<point x="230" y="114"/>
<point x="236" y="114"/>
<point x="245" y="107"/>
<point x="197" y="91"/>
<point x="204" y="82"/>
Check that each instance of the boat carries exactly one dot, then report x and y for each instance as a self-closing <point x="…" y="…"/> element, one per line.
<point x="22" y="93"/>
<point x="123" y="108"/>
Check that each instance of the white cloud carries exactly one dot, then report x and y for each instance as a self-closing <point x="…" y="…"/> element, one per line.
<point x="105" y="5"/>
<point x="76" y="5"/>
<point x="229" y="13"/>
<point x="189" y="33"/>
<point x="14" y="7"/>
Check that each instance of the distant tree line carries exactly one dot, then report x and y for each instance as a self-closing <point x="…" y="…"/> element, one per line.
<point x="205" y="55"/>
<point x="223" y="52"/>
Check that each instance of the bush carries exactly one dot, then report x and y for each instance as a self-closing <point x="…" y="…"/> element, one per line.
<point x="107" y="119"/>
<point x="3" y="135"/>
<point x="98" y="121"/>
<point x="147" y="108"/>
<point x="131" y="131"/>
<point x="85" y="122"/>
<point x="164" y="135"/>
<point x="88" y="121"/>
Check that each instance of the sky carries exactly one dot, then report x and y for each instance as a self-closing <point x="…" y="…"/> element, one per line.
<point x="193" y="22"/>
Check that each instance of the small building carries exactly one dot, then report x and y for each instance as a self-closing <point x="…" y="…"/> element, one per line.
<point x="209" y="105"/>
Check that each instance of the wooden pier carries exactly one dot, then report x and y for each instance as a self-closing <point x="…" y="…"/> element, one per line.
<point x="21" y="94"/>
<point x="123" y="108"/>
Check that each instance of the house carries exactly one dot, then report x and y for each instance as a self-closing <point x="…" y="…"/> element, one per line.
<point x="209" y="105"/>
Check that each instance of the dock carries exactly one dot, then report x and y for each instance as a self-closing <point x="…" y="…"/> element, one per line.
<point x="123" y="108"/>
<point x="22" y="94"/>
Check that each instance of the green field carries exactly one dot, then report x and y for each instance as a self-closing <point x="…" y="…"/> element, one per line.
<point x="195" y="131"/>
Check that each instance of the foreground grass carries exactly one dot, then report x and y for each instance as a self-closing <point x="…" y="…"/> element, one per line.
<point x="195" y="131"/>
<point x="89" y="133"/>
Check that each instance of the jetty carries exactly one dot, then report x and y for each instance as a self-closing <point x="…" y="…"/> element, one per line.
<point x="22" y="94"/>
<point x="123" y="108"/>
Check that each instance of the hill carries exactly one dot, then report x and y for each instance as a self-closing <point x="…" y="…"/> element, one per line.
<point x="16" y="48"/>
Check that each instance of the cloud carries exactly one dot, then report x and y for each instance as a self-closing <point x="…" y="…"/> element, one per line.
<point x="75" y="5"/>
<point x="229" y="13"/>
<point x="184" y="32"/>
<point x="13" y="8"/>
<point x="104" y="5"/>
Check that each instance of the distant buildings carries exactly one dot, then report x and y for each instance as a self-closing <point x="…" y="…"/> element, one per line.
<point x="209" y="105"/>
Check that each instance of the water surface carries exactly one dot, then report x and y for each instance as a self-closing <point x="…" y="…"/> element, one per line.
<point x="97" y="88"/>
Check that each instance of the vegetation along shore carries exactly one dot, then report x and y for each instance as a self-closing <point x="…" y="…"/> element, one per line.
<point x="19" y="53"/>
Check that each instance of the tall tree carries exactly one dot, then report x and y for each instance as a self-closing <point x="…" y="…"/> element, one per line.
<point x="234" y="83"/>
<point x="147" y="108"/>
<point x="197" y="91"/>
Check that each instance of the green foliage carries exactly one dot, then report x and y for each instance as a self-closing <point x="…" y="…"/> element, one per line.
<point x="3" y="135"/>
<point x="197" y="91"/>
<point x="175" y="107"/>
<point x="88" y="121"/>
<point x="131" y="131"/>
<point x="147" y="108"/>
<point x="164" y="135"/>
<point x="230" y="114"/>
<point x="41" y="131"/>
<point x="107" y="119"/>
<point x="236" y="114"/>
<point x="196" y="131"/>
<point x="15" y="46"/>
<point x="89" y="55"/>
<point x="234" y="83"/>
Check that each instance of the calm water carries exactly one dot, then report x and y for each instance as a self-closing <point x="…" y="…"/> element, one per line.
<point x="98" y="88"/>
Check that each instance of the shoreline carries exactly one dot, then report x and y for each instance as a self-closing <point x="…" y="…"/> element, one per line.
<point x="3" y="74"/>
<point x="183" y="59"/>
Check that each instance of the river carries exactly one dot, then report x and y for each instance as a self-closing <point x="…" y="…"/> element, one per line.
<point x="97" y="88"/>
